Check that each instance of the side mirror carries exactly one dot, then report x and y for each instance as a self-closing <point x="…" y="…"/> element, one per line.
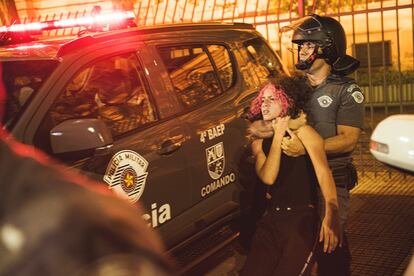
<point x="79" y="134"/>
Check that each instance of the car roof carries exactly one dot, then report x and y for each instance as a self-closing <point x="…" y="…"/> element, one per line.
<point x="35" y="50"/>
<point x="54" y="48"/>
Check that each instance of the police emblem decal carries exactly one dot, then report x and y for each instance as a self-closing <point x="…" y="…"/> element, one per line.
<point x="358" y="96"/>
<point x="215" y="160"/>
<point x="126" y="174"/>
<point x="324" y="101"/>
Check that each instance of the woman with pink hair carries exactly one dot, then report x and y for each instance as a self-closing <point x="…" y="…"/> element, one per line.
<point x="286" y="235"/>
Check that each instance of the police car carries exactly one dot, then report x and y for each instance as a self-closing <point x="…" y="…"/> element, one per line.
<point x="155" y="113"/>
<point x="392" y="142"/>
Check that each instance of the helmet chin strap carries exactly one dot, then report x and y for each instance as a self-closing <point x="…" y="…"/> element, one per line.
<point x="306" y="64"/>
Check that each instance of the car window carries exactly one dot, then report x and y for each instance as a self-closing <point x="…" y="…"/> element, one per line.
<point x="192" y="73"/>
<point x="223" y="64"/>
<point x="22" y="80"/>
<point x="247" y="68"/>
<point x="112" y="90"/>
<point x="257" y="61"/>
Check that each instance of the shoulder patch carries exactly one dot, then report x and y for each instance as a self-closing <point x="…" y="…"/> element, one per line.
<point x="358" y="96"/>
<point x="353" y="87"/>
<point x="325" y="101"/>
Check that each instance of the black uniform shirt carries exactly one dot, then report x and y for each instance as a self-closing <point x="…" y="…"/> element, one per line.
<point x="336" y="101"/>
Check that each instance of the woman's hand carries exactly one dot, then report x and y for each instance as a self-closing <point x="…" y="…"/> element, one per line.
<point x="280" y="126"/>
<point x="330" y="231"/>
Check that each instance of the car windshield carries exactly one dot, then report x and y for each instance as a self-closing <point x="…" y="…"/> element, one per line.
<point x="22" y="80"/>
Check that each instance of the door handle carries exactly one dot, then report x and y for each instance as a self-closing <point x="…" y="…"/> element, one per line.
<point x="106" y="150"/>
<point x="168" y="147"/>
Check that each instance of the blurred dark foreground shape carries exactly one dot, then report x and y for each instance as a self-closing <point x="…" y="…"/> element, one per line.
<point x="55" y="222"/>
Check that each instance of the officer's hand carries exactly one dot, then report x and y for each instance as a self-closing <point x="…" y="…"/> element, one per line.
<point x="261" y="129"/>
<point x="293" y="146"/>
<point x="330" y="232"/>
<point x="298" y="122"/>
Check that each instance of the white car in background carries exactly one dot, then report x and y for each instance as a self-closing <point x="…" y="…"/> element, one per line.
<point x="392" y="142"/>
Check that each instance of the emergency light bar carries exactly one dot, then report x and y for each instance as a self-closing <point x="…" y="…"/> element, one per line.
<point x="99" y="20"/>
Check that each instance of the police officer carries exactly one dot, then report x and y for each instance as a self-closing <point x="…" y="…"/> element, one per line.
<point x="335" y="110"/>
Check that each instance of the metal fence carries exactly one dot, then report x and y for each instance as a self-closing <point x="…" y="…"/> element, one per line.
<point x="379" y="33"/>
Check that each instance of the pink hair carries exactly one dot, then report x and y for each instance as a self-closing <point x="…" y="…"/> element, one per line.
<point x="279" y="94"/>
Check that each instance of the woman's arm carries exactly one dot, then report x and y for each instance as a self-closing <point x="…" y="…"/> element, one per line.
<point x="267" y="168"/>
<point x="314" y="145"/>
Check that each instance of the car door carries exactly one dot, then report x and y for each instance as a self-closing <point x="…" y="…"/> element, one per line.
<point x="147" y="160"/>
<point x="215" y="83"/>
<point x="204" y="80"/>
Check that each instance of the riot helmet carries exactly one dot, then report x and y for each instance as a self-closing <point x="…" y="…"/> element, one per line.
<point x="330" y="43"/>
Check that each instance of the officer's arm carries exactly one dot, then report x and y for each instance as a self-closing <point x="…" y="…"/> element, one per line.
<point x="349" y="121"/>
<point x="345" y="141"/>
<point x="261" y="129"/>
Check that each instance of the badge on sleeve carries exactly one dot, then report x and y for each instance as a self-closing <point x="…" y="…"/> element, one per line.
<point x="356" y="93"/>
<point x="324" y="101"/>
<point x="358" y="96"/>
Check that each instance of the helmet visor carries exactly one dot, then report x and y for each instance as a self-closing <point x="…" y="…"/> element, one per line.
<point x="308" y="28"/>
<point x="304" y="24"/>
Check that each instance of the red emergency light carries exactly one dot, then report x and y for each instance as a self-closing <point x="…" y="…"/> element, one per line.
<point x="100" y="20"/>
<point x="24" y="27"/>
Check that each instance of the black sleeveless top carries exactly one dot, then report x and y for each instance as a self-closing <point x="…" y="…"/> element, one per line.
<point x="296" y="182"/>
